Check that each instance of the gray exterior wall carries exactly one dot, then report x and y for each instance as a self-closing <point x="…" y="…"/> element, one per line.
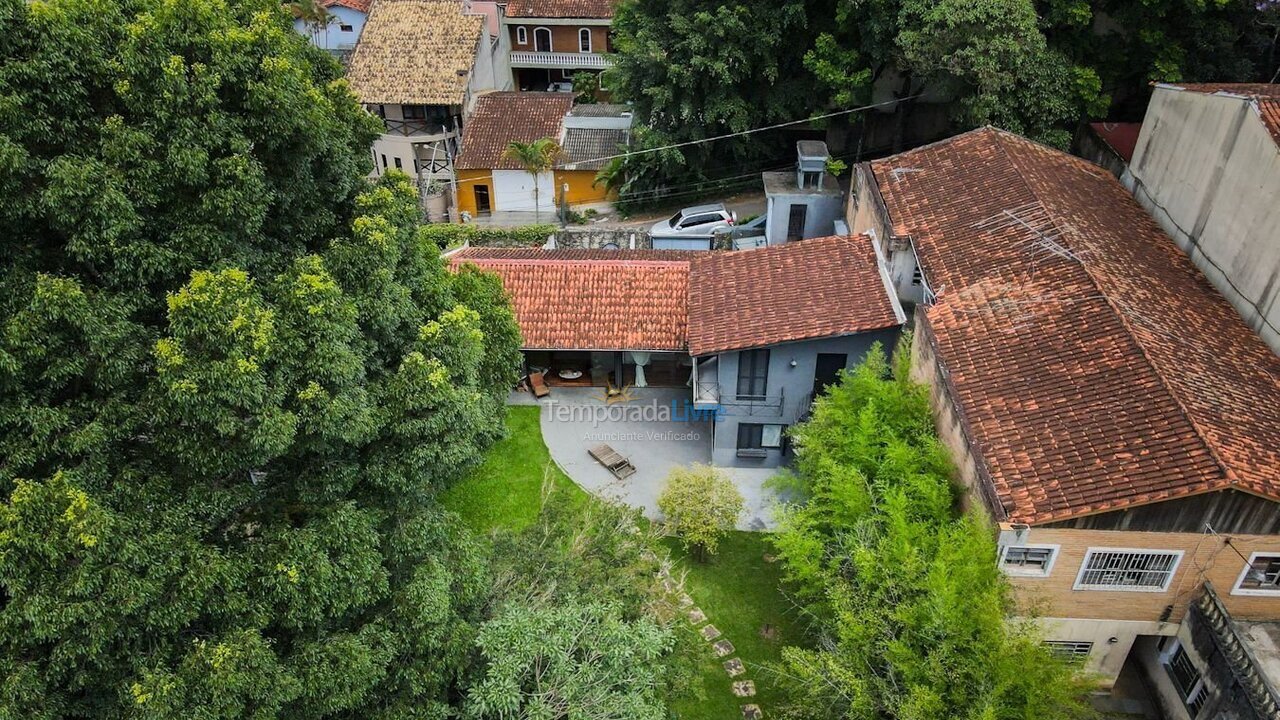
<point x="825" y="206"/>
<point x="788" y="390"/>
<point x="1209" y="172"/>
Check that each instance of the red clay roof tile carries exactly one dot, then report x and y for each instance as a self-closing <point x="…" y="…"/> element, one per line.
<point x="1266" y="96"/>
<point x="1097" y="369"/>
<point x="594" y="9"/>
<point x="501" y="118"/>
<point x="801" y="290"/>
<point x="564" y="302"/>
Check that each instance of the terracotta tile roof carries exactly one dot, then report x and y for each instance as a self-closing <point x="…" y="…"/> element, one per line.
<point x="502" y="117"/>
<point x="415" y="52"/>
<point x="1266" y="96"/>
<point x="815" y="288"/>
<point x="1096" y="370"/>
<point x="1119" y="136"/>
<point x="357" y="5"/>
<point x="630" y="301"/>
<point x="561" y="8"/>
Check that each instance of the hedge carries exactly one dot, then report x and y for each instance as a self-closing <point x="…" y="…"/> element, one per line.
<point x="447" y="235"/>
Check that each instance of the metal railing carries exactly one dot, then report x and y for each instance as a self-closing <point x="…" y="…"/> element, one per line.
<point x="750" y="405"/>
<point x="586" y="61"/>
<point x="415" y="127"/>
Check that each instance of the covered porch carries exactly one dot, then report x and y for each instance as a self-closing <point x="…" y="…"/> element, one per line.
<point x="616" y="368"/>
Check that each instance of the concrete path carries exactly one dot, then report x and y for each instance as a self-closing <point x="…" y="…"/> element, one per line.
<point x="651" y="431"/>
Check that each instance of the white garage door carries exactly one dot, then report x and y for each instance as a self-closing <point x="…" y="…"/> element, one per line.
<point x="513" y="191"/>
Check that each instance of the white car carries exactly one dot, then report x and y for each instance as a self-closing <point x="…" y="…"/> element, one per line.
<point x="696" y="221"/>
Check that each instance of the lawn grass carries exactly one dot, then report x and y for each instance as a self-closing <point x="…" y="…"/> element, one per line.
<point x="736" y="588"/>
<point x="738" y="591"/>
<point x="506" y="489"/>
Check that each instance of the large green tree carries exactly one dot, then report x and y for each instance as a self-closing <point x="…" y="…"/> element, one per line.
<point x="988" y="58"/>
<point x="909" y="609"/>
<point x="232" y="376"/>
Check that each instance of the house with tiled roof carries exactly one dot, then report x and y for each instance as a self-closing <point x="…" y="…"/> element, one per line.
<point x="750" y="335"/>
<point x="552" y="40"/>
<point x="419" y="65"/>
<point x="1105" y="405"/>
<point x="489" y="182"/>
<point x="1206" y="165"/>
<point x="344" y="20"/>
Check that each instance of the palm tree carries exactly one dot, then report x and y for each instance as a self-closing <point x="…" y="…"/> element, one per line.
<point x="536" y="158"/>
<point x="313" y="14"/>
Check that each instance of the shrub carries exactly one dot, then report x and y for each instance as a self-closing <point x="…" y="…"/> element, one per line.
<point x="701" y="505"/>
<point x="447" y="235"/>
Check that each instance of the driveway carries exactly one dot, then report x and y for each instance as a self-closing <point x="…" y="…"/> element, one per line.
<point x="653" y="433"/>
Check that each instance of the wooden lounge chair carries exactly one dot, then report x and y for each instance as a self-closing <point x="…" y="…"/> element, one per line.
<point x="613" y="460"/>
<point x="538" y="385"/>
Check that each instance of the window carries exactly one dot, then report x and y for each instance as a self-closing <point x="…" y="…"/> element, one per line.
<point x="917" y="276"/>
<point x="755" y="440"/>
<point x="414" y="112"/>
<point x="542" y="39"/>
<point x="810" y="179"/>
<point x="522" y="36"/>
<point x="1186" y="678"/>
<point x="398" y="165"/>
<point x="1070" y="650"/>
<point x="1128" y="570"/>
<point x="384" y="161"/>
<point x="1028" y="560"/>
<point x="584" y="40"/>
<point x="753" y="374"/>
<point x="699" y="220"/>
<point x="346" y="28"/>
<point x="1261" y="576"/>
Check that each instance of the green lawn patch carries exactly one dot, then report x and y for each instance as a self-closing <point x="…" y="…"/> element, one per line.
<point x="738" y="591"/>
<point x="506" y="489"/>
<point x="736" y="588"/>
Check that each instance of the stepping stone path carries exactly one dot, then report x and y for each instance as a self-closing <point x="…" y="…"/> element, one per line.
<point x="719" y="645"/>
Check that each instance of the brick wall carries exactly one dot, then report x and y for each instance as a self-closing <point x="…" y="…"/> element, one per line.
<point x="564" y="38"/>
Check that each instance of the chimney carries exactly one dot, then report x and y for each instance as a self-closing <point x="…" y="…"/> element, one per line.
<point x="811" y="164"/>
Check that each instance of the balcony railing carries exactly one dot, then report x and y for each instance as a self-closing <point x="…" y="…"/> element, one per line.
<point x="567" y="60"/>
<point x="751" y="405"/>
<point x="409" y="128"/>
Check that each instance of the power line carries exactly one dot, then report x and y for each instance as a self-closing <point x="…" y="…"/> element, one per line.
<point x="739" y="133"/>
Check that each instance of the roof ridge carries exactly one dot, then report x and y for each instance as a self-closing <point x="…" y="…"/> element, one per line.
<point x="1123" y="316"/>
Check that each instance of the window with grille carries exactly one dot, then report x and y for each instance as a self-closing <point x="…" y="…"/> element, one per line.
<point x="1261" y="576"/>
<point x="1069" y="650"/>
<point x="917" y="276"/>
<point x="1129" y="570"/>
<point x="1028" y="559"/>
<point x="1186" y="678"/>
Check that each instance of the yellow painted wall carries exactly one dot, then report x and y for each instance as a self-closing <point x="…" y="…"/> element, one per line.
<point x="580" y="189"/>
<point x="467" y="181"/>
<point x="579" y="181"/>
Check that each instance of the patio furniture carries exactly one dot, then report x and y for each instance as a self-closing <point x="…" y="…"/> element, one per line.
<point x="569" y="374"/>
<point x="620" y="466"/>
<point x="539" y="385"/>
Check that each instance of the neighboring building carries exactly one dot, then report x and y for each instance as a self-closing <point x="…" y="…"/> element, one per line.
<point x="418" y="66"/>
<point x="551" y="40"/>
<point x="1104" y="405"/>
<point x="804" y="203"/>
<point x="753" y="334"/>
<point x="1207" y="167"/>
<point x="1109" y="144"/>
<point x="489" y="182"/>
<point x="339" y="36"/>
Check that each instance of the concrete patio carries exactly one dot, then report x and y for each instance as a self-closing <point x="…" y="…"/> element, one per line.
<point x="652" y="431"/>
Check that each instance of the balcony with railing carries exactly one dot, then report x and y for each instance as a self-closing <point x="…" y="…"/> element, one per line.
<point x="416" y="128"/>
<point x="556" y="60"/>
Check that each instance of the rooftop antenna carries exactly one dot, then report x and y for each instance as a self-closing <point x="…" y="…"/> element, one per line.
<point x="1043" y="230"/>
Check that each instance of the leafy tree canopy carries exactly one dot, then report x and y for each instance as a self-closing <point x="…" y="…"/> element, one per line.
<point x="909" y="607"/>
<point x="232" y="375"/>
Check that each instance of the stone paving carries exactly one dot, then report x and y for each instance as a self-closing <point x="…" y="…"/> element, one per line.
<point x="721" y="646"/>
